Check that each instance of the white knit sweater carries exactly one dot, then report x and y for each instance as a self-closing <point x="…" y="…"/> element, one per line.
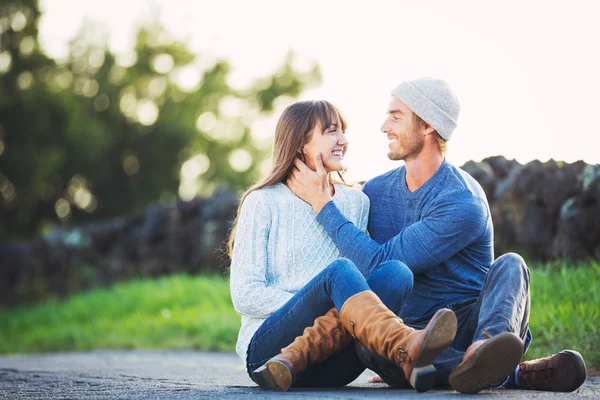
<point x="279" y="247"/>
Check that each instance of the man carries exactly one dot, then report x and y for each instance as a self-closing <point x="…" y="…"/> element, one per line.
<point x="435" y="218"/>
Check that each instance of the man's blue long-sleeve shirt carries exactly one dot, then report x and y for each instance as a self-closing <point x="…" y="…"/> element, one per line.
<point x="442" y="231"/>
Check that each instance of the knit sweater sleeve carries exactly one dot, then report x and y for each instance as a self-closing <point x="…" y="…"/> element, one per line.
<point x="250" y="292"/>
<point x="448" y="228"/>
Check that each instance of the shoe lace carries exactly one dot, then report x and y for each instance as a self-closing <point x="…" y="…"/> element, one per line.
<point x="537" y="374"/>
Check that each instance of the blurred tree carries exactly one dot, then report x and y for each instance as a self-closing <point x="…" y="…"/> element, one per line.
<point x="100" y="134"/>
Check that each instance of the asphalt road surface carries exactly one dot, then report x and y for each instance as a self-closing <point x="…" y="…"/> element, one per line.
<point x="188" y="375"/>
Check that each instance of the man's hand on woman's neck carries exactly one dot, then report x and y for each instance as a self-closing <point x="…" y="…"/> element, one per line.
<point x="311" y="186"/>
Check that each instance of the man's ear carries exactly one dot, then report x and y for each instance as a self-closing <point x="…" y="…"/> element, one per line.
<point x="428" y="130"/>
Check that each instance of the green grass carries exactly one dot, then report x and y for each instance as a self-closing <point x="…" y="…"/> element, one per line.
<point x="565" y="311"/>
<point x="174" y="312"/>
<point x="196" y="312"/>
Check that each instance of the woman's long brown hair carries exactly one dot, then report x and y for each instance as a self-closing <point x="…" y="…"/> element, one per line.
<point x="293" y="131"/>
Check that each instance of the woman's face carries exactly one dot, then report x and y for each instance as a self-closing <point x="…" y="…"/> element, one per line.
<point x="331" y="143"/>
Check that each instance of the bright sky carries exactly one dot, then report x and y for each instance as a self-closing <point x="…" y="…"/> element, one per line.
<point x="527" y="73"/>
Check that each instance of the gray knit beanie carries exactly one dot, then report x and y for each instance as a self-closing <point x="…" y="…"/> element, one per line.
<point x="433" y="101"/>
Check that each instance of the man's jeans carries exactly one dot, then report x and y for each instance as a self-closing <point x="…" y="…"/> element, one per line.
<point x="392" y="282"/>
<point x="502" y="306"/>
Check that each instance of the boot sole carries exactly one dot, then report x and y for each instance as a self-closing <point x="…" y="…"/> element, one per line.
<point x="491" y="363"/>
<point x="274" y="375"/>
<point x="441" y="333"/>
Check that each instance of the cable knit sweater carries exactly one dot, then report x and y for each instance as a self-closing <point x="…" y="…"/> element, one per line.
<point x="279" y="247"/>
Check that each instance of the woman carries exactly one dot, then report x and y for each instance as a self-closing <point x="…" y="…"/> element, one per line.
<point x="287" y="275"/>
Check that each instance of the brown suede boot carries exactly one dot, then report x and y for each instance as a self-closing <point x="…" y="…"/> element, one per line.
<point x="381" y="331"/>
<point x="327" y="336"/>
<point x="487" y="362"/>
<point x="562" y="372"/>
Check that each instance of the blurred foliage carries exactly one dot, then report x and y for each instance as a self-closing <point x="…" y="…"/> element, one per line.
<point x="100" y="134"/>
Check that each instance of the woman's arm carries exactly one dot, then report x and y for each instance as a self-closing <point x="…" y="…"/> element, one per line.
<point x="249" y="291"/>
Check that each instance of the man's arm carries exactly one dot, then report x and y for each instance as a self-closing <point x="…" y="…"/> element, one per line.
<point x="450" y="227"/>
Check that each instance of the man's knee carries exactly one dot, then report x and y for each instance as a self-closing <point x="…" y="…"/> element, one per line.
<point x="511" y="265"/>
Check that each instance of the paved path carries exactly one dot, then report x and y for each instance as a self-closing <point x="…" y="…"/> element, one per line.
<point x="186" y="375"/>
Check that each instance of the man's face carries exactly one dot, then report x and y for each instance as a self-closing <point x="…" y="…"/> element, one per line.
<point x="404" y="141"/>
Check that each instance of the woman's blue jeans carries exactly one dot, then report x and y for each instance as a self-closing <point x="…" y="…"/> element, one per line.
<point x="392" y="281"/>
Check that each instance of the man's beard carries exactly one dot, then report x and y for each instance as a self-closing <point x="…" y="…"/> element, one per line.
<point x="411" y="147"/>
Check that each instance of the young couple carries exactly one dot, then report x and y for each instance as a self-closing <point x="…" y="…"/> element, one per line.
<point x="420" y="301"/>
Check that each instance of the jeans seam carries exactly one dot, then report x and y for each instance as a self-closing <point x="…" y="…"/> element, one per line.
<point x="276" y="325"/>
<point x="253" y="343"/>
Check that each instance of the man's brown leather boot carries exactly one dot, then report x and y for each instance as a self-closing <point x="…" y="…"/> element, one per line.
<point x="562" y="372"/>
<point x="327" y="336"/>
<point x="381" y="331"/>
<point x="487" y="362"/>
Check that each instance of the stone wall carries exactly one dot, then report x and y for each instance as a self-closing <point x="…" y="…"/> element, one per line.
<point x="189" y="237"/>
<point x="544" y="211"/>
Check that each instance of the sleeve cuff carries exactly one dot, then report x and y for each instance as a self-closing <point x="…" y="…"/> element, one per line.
<point x="330" y="217"/>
